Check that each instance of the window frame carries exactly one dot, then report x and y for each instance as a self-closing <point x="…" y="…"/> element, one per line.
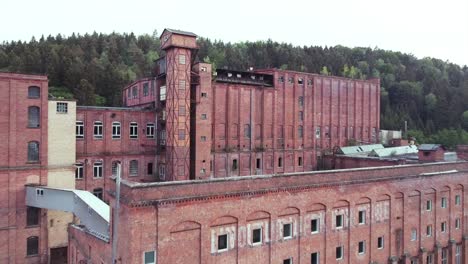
<point x="362" y="217"/>
<point x="290" y="233"/>
<point x="33" y="152"/>
<point x="62" y="108"/>
<point x="98" y="169"/>
<point x="98" y="128"/>
<point x="150" y="130"/>
<point x="116" y="130"/>
<point x="363" y="251"/>
<point x="315" y="230"/>
<point x="33" y="215"/>
<point x="133" y="129"/>
<point x="260" y="241"/>
<point x="79" y="170"/>
<point x="380" y="242"/>
<point x="154" y="257"/>
<point x="35" y="250"/>
<point x="133" y="168"/>
<point x="34" y="116"/>
<point x="341" y="252"/>
<point x="341" y="218"/>
<point x="79" y="129"/>
<point x="31" y="95"/>
<point x="226" y="248"/>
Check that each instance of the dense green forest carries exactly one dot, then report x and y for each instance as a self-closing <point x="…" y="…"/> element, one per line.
<point x="431" y="94"/>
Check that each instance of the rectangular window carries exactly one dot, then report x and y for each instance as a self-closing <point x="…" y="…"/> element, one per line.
<point x="443" y="227"/>
<point x="300" y="81"/>
<point x="62" y="108"/>
<point x="97" y="169"/>
<point x="162" y="172"/>
<point x="339" y="252"/>
<point x="150" y="130"/>
<point x="79" y="129"/>
<point x="380" y="242"/>
<point x="182" y="84"/>
<point x="457" y="223"/>
<point x="315" y="225"/>
<point x="133" y="130"/>
<point x="301" y="116"/>
<point x="458" y="250"/>
<point x="182" y="59"/>
<point x="414" y="234"/>
<point x="339" y="221"/>
<point x="247" y="131"/>
<point x="203" y="116"/>
<point x="299" y="161"/>
<point x="259" y="164"/>
<point x="430" y="259"/>
<point x="429" y="205"/>
<point x="288" y="261"/>
<point x="443" y="202"/>
<point x="444" y="256"/>
<point x="181" y="134"/>
<point x="257" y="236"/>
<point x="287" y="230"/>
<point x="315" y="258"/>
<point x="280" y="162"/>
<point x="300" y="132"/>
<point x="135" y="92"/>
<point x="457" y="199"/>
<point x="97" y="129"/>
<point x="301" y="101"/>
<point x="181" y="110"/>
<point x="362" y="217"/>
<point x="361" y="247"/>
<point x="317" y="132"/>
<point x="429" y="230"/>
<point x="149" y="257"/>
<point x="98" y="193"/>
<point x="32" y="216"/>
<point x="234" y="164"/>
<point x="79" y="171"/>
<point x="149" y="168"/>
<point x="145" y="89"/>
<point x="115" y="130"/>
<point x="204" y="95"/>
<point x="203" y="138"/>
<point x="222" y="242"/>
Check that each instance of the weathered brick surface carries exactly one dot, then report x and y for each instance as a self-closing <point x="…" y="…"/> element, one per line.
<point x="393" y="206"/>
<point x="15" y="170"/>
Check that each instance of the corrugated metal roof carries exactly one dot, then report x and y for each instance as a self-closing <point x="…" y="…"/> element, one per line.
<point x="350" y="150"/>
<point x="395" y="151"/>
<point x="180" y="32"/>
<point x="429" y="147"/>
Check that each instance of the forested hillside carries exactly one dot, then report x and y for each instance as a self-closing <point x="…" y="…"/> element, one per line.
<point x="431" y="94"/>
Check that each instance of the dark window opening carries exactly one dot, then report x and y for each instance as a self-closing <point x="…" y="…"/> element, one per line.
<point x="34" y="116"/>
<point x="257" y="236"/>
<point x="150" y="169"/>
<point x="32" y="246"/>
<point x="98" y="193"/>
<point x="32" y="216"/>
<point x="299" y="161"/>
<point x="223" y="242"/>
<point x="234" y="164"/>
<point x="259" y="164"/>
<point x="280" y="162"/>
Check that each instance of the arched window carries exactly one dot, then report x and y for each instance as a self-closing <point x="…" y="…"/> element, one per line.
<point x="34" y="92"/>
<point x="33" y="116"/>
<point x="133" y="167"/>
<point x="33" y="151"/>
<point x="32" y="246"/>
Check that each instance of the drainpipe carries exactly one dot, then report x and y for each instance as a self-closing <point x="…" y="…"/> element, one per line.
<point x="115" y="219"/>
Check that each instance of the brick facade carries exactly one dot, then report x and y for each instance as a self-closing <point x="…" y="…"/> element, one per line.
<point x="190" y="216"/>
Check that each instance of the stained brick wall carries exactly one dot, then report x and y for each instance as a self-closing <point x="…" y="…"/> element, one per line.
<point x="394" y="201"/>
<point x="15" y="170"/>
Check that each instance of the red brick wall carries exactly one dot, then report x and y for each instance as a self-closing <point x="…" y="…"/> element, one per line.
<point x="107" y="149"/>
<point x="436" y="155"/>
<point x="343" y="109"/>
<point x="393" y="207"/>
<point x="15" y="170"/>
<point x="140" y="99"/>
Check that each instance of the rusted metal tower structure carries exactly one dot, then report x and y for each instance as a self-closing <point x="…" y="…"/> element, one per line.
<point x="179" y="47"/>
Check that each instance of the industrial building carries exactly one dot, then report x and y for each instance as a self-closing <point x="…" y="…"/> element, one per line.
<point x="221" y="166"/>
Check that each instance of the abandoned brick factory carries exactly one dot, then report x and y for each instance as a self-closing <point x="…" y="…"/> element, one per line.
<point x="206" y="165"/>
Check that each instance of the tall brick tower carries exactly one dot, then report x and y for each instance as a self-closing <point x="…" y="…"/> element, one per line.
<point x="178" y="46"/>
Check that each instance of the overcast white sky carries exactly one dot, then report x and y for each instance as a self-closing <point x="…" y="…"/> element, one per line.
<point x="435" y="28"/>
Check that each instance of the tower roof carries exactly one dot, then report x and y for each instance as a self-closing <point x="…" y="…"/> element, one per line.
<point x="179" y="32"/>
